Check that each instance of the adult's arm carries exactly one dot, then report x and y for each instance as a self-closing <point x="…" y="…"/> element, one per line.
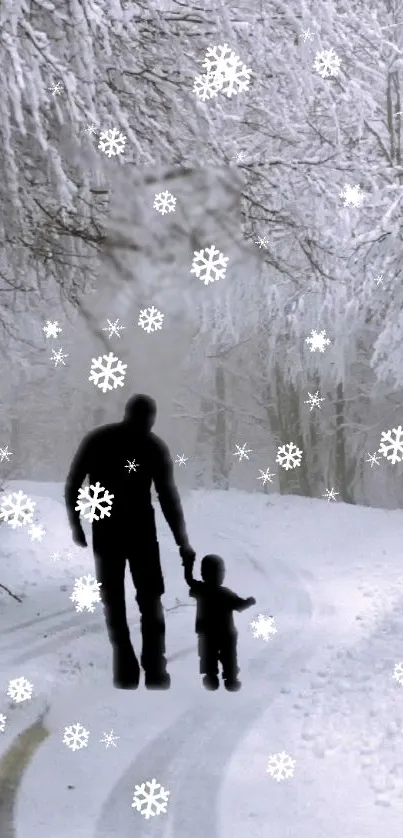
<point x="77" y="473"/>
<point x="168" y="495"/>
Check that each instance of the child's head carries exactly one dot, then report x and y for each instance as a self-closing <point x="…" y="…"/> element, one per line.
<point x="212" y="569"/>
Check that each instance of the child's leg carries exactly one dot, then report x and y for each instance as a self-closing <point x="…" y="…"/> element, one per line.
<point x="228" y="656"/>
<point x="208" y="654"/>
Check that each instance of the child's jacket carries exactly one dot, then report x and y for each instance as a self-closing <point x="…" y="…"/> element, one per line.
<point x="215" y="606"/>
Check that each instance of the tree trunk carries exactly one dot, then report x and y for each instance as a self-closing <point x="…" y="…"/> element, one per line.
<point x="220" y="465"/>
<point x="343" y="474"/>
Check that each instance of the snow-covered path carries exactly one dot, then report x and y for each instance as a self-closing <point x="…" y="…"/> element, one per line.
<point x="316" y="691"/>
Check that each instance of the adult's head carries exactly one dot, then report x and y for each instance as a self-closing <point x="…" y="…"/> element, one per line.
<point x="140" y="413"/>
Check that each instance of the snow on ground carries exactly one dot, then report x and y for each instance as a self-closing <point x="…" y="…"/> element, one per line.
<point x="322" y="689"/>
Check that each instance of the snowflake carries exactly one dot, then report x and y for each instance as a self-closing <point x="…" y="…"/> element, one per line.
<point x="86" y="593"/>
<point x="56" y="88"/>
<point x="239" y="156"/>
<point x="19" y="689"/>
<point x="330" y="494"/>
<point x="266" y="476"/>
<point x="150" y="319"/>
<point x="113" y="328"/>
<point x="379" y="279"/>
<point x="327" y="63"/>
<point x="75" y="737"/>
<point x="36" y="532"/>
<point x="107" y="369"/>
<point x="352" y="195"/>
<point x="398" y="673"/>
<point x="392" y="447"/>
<point x="151" y="802"/>
<point x="109" y="739"/>
<point x="181" y="460"/>
<point x="207" y="86"/>
<point x="5" y="454"/>
<point x="289" y="456"/>
<point x="281" y="766"/>
<point x="52" y="330"/>
<point x="229" y="71"/>
<point x="262" y="241"/>
<point x="164" y="202"/>
<point x="3" y="720"/>
<point x="307" y="34"/>
<point x="55" y="556"/>
<point x="314" y="400"/>
<point x="20" y="511"/>
<point x="112" y="142"/>
<point x="131" y="465"/>
<point x="242" y="452"/>
<point x="89" y="504"/>
<point x="263" y="627"/>
<point x="373" y="459"/>
<point x="209" y="268"/>
<point x="317" y="340"/>
<point x="58" y="357"/>
<point x="91" y="129"/>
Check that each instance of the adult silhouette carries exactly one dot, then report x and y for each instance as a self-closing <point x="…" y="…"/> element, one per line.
<point x="126" y="458"/>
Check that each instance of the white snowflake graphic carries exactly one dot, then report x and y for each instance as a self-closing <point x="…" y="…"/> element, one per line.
<point x="391" y="445"/>
<point x="58" y="357"/>
<point x="330" y="494"/>
<point x="263" y="627"/>
<point x="306" y="34"/>
<point x="91" y="128"/>
<point x="230" y="72"/>
<point x="327" y="63"/>
<point x="5" y="454"/>
<point x="281" y="766"/>
<point x="289" y="456"/>
<point x="55" y="556"/>
<point x="206" y="86"/>
<point x="17" y="509"/>
<point x="19" y="689"/>
<point x="242" y="452"/>
<point x="210" y="267"/>
<point x="36" y="532"/>
<point x="75" y="737"/>
<point x="86" y="593"/>
<point x="398" y="673"/>
<point x="90" y="501"/>
<point x="314" y="400"/>
<point x="266" y="476"/>
<point x="373" y="459"/>
<point x="107" y="372"/>
<point x="56" y="88"/>
<point x="352" y="195"/>
<point x="262" y="241"/>
<point x="113" y="328"/>
<point x="239" y="157"/>
<point x="150" y="319"/>
<point x="112" y="142"/>
<point x="164" y="202"/>
<point x="152" y="801"/>
<point x="52" y="329"/>
<point x="3" y="720"/>
<point x="109" y="739"/>
<point x="379" y="279"/>
<point x="317" y="340"/>
<point x="132" y="465"/>
<point x="181" y="460"/>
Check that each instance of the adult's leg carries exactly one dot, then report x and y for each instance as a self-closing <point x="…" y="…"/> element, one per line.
<point x="145" y="568"/>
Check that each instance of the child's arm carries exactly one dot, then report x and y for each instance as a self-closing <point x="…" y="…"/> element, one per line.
<point x="195" y="587"/>
<point x="240" y="604"/>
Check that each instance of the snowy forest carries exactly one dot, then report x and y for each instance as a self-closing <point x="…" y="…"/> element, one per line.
<point x="259" y="175"/>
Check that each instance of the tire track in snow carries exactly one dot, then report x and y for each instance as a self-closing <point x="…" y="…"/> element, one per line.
<point x="189" y="757"/>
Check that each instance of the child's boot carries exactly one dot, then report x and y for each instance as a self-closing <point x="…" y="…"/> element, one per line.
<point x="211" y="682"/>
<point x="232" y="684"/>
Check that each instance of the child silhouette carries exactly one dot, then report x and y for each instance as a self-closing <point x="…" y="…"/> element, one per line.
<point x="217" y="636"/>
